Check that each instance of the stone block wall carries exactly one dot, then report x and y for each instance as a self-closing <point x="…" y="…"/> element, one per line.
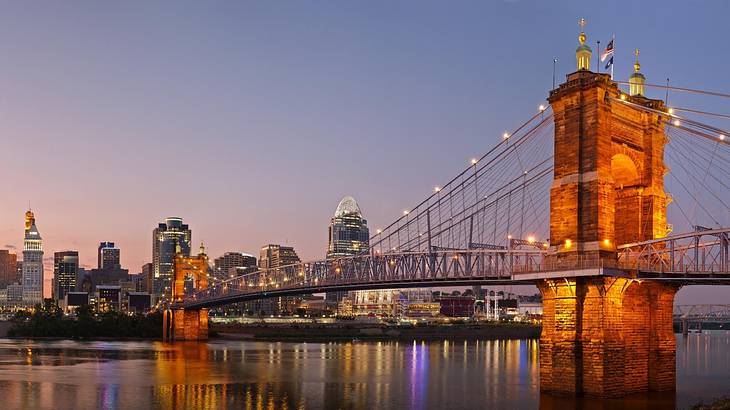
<point x="606" y="337"/>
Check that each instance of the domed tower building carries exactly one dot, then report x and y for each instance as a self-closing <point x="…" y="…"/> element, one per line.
<point x="348" y="230"/>
<point x="348" y="236"/>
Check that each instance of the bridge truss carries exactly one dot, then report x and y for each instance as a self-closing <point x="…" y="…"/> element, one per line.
<point x="489" y="224"/>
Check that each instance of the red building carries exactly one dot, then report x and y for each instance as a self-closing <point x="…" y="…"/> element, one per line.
<point x="456" y="306"/>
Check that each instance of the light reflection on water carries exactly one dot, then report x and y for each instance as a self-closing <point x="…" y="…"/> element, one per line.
<point x="361" y="375"/>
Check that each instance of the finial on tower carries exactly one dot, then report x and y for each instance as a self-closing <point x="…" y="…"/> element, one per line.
<point x="202" y="248"/>
<point x="637" y="80"/>
<point x="583" y="52"/>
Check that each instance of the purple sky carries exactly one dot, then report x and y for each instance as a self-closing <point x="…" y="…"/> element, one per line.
<point x="252" y="119"/>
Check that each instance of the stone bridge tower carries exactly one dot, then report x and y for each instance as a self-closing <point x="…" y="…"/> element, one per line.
<point x="180" y="323"/>
<point x="604" y="333"/>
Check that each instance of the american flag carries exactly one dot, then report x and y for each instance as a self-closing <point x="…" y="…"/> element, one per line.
<point x="608" y="51"/>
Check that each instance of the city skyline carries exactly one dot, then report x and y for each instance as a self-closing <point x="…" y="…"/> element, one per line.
<point x="397" y="87"/>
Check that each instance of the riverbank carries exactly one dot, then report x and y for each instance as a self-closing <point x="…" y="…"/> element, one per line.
<point x="338" y="331"/>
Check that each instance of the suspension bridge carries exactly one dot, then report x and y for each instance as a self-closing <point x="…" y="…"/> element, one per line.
<point x="606" y="200"/>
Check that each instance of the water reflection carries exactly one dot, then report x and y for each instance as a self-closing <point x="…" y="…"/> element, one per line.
<point x="362" y="375"/>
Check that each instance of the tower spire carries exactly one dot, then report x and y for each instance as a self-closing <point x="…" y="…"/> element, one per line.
<point x="636" y="80"/>
<point x="583" y="52"/>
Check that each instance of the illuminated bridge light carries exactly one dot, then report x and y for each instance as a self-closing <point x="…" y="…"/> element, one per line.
<point x="474" y="161"/>
<point x="505" y="135"/>
<point x="436" y="189"/>
<point x="677" y="123"/>
<point x="405" y="212"/>
<point x="541" y="108"/>
<point x="722" y="137"/>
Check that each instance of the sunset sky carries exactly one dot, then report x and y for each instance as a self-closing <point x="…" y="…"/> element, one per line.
<point x="251" y="120"/>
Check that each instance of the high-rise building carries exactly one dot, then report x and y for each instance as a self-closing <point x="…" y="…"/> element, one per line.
<point x="348" y="230"/>
<point x="8" y="268"/>
<point x="32" y="262"/>
<point x="271" y="257"/>
<point x="348" y="236"/>
<point x="166" y="238"/>
<point x="145" y="278"/>
<point x="65" y="269"/>
<point x="275" y="256"/>
<point x="233" y="263"/>
<point x="107" y="256"/>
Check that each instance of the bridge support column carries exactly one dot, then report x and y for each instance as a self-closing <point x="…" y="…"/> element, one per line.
<point x="606" y="337"/>
<point x="187" y="324"/>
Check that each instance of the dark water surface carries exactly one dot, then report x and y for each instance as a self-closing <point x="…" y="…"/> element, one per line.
<point x="499" y="374"/>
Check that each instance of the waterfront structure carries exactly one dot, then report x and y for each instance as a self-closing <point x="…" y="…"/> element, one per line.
<point x="234" y="263"/>
<point x="8" y="268"/>
<point x="348" y="235"/>
<point x="107" y="256"/>
<point x="190" y="274"/>
<point x="606" y="334"/>
<point x="32" y="277"/>
<point x="65" y="271"/>
<point x="166" y="239"/>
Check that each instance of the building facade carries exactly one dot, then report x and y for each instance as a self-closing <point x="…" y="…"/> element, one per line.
<point x="32" y="276"/>
<point x="348" y="230"/>
<point x="8" y="268"/>
<point x="65" y="270"/>
<point x="271" y="257"/>
<point x="231" y="263"/>
<point x="166" y="239"/>
<point x="348" y="235"/>
<point x="108" y="256"/>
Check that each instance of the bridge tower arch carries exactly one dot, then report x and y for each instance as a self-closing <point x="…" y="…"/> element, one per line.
<point x="180" y="323"/>
<point x="605" y="334"/>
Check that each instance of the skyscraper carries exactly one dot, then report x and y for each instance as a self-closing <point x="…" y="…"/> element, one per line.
<point x="348" y="230"/>
<point x="348" y="235"/>
<point x="32" y="262"/>
<point x="107" y="256"/>
<point x="165" y="240"/>
<point x="65" y="270"/>
<point x="8" y="268"/>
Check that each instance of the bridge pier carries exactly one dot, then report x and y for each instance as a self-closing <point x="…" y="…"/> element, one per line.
<point x="606" y="337"/>
<point x="184" y="324"/>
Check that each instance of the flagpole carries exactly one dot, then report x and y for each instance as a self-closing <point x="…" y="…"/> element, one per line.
<point x="598" y="56"/>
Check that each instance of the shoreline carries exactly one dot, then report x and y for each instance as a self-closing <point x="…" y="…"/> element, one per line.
<point x="348" y="332"/>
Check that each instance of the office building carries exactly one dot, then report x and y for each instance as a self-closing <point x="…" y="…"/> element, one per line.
<point x="348" y="236"/>
<point x="232" y="264"/>
<point x="348" y="230"/>
<point x="276" y="256"/>
<point x="8" y="268"/>
<point x="107" y="256"/>
<point x="65" y="271"/>
<point x="166" y="239"/>
<point x="32" y="277"/>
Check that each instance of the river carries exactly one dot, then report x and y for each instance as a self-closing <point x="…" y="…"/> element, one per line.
<point x="495" y="374"/>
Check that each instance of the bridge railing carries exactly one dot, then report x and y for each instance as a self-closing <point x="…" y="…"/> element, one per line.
<point x="703" y="251"/>
<point x="379" y="269"/>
